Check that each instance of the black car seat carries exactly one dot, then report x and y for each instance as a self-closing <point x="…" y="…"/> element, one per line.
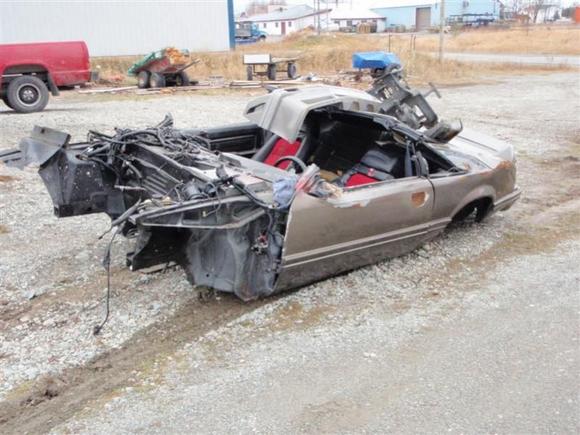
<point x="377" y="164"/>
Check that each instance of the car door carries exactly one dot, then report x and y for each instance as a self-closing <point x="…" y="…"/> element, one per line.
<point x="362" y="225"/>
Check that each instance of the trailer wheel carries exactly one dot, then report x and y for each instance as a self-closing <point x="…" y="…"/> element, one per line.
<point x="249" y="73"/>
<point x="143" y="79"/>
<point x="272" y="71"/>
<point x="182" y="79"/>
<point x="157" y="80"/>
<point x="5" y="100"/>
<point x="292" y="71"/>
<point x="27" y="94"/>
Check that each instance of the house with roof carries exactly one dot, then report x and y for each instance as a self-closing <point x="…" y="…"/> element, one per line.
<point x="284" y="21"/>
<point x="351" y="17"/>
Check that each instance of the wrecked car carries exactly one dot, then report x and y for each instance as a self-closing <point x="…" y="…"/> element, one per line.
<point x="318" y="182"/>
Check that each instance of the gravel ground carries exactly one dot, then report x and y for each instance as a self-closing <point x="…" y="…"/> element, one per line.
<point x="479" y="316"/>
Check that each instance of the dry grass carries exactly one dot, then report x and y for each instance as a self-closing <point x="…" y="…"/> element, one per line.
<point x="327" y="55"/>
<point x="527" y="40"/>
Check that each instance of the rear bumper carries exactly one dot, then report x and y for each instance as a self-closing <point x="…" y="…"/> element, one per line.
<point x="508" y="200"/>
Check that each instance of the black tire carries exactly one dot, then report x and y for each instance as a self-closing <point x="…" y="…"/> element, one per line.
<point x="5" y="100"/>
<point x="27" y="94"/>
<point x="157" y="80"/>
<point x="182" y="79"/>
<point x="292" y="71"/>
<point x="249" y="73"/>
<point x="272" y="70"/>
<point x="262" y="38"/>
<point x="143" y="79"/>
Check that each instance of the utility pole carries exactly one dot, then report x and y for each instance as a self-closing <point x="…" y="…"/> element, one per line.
<point x="318" y="17"/>
<point x="441" y="28"/>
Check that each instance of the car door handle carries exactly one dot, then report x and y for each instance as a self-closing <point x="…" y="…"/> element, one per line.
<point x="418" y="199"/>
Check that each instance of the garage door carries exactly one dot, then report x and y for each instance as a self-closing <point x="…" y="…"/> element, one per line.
<point x="423" y="18"/>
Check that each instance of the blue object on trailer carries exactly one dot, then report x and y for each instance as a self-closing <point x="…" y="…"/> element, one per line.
<point x="375" y="60"/>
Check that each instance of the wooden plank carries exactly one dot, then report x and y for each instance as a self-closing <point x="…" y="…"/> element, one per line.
<point x="107" y="90"/>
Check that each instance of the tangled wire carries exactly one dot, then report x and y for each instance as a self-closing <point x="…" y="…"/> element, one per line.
<point x="162" y="135"/>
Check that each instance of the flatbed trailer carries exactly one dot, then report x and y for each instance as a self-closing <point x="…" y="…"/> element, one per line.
<point x="267" y="66"/>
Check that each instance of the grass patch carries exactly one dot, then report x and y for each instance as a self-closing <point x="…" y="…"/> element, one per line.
<point x="331" y="53"/>
<point x="526" y="40"/>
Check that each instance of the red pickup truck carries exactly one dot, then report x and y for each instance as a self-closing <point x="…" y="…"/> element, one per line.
<point x="29" y="71"/>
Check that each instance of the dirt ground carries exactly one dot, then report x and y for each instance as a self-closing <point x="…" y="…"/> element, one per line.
<point x="478" y="331"/>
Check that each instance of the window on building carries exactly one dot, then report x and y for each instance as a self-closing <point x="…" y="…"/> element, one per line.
<point x="289" y="23"/>
<point x="264" y="25"/>
<point x="348" y="23"/>
<point x="277" y="23"/>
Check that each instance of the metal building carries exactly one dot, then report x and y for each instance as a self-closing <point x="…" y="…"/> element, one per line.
<point x="422" y="14"/>
<point x="121" y="27"/>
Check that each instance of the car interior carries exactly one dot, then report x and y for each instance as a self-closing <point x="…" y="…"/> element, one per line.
<point x="350" y="148"/>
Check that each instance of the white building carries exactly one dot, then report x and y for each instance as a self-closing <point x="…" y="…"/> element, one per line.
<point x="352" y="16"/>
<point x="548" y="13"/>
<point x="122" y="27"/>
<point x="292" y="19"/>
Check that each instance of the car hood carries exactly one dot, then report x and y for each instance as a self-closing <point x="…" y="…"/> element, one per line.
<point x="283" y="111"/>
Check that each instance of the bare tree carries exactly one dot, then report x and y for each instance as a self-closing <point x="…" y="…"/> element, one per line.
<point x="256" y="7"/>
<point x="535" y="8"/>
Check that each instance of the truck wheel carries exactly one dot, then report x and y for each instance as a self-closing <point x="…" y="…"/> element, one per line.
<point x="143" y="79"/>
<point x="182" y="79"/>
<point x="292" y="71"/>
<point x="5" y="100"/>
<point x="157" y="80"/>
<point x="249" y="73"/>
<point x="272" y="71"/>
<point x="27" y="94"/>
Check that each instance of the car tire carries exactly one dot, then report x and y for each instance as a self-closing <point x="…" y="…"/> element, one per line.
<point x="27" y="94"/>
<point x="143" y="79"/>
<point x="272" y="70"/>
<point x="157" y="80"/>
<point x="262" y="38"/>
<point x="249" y="73"/>
<point x="5" y="101"/>
<point x="182" y="79"/>
<point x="292" y="71"/>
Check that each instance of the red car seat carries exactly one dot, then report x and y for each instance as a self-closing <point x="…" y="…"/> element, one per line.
<point x="276" y="147"/>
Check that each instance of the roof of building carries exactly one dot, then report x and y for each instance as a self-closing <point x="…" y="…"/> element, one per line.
<point x="401" y="4"/>
<point x="353" y="14"/>
<point x="292" y="13"/>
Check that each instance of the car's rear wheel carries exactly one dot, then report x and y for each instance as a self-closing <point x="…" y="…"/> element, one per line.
<point x="27" y="94"/>
<point x="5" y="101"/>
<point x="143" y="79"/>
